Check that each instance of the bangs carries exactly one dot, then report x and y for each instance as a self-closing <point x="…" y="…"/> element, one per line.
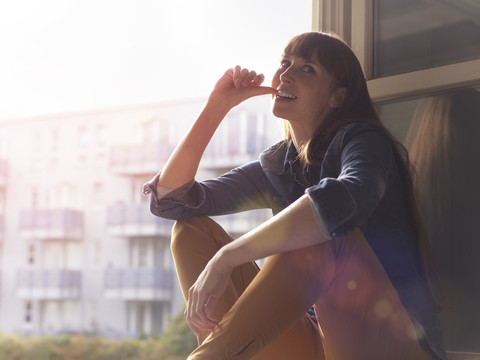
<point x="303" y="45"/>
<point x="328" y="49"/>
<point x="325" y="48"/>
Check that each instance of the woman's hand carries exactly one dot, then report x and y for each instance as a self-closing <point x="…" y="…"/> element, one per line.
<point x="239" y="84"/>
<point x="204" y="293"/>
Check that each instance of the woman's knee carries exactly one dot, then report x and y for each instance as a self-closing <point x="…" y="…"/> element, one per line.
<point x="317" y="261"/>
<point x="183" y="231"/>
<point x="197" y="231"/>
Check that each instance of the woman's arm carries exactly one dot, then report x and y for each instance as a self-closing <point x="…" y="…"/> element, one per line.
<point x="235" y="86"/>
<point x="341" y="203"/>
<point x="293" y="228"/>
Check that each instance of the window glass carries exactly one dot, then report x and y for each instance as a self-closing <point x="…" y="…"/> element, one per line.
<point x="416" y="34"/>
<point x="441" y="134"/>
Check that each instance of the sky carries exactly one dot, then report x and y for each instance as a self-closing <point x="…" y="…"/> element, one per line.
<point x="62" y="56"/>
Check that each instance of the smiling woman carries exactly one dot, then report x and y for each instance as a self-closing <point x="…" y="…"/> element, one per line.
<point x="83" y="54"/>
<point x="347" y="274"/>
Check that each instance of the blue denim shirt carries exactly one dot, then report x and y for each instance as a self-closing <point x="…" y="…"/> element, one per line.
<point x="358" y="185"/>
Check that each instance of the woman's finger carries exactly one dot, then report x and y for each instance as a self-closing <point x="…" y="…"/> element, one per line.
<point x="258" y="79"/>
<point x="195" y="313"/>
<point x="242" y="75"/>
<point x="247" y="80"/>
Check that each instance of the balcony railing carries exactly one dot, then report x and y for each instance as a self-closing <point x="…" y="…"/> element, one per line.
<point x="136" y="220"/>
<point x="139" y="284"/>
<point x="49" y="284"/>
<point x="52" y="224"/>
<point x="139" y="159"/>
<point x="243" y="222"/>
<point x="231" y="156"/>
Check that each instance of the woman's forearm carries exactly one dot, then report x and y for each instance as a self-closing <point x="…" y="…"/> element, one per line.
<point x="235" y="86"/>
<point x="293" y="228"/>
<point x="182" y="165"/>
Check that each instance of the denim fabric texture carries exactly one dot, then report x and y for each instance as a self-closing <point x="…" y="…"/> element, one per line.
<point x="358" y="185"/>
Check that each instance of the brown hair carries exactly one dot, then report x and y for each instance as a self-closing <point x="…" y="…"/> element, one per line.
<point x="442" y="142"/>
<point x="340" y="61"/>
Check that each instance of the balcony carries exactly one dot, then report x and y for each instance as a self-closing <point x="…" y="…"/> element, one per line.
<point x="131" y="220"/>
<point x="51" y="224"/>
<point x="141" y="159"/>
<point x="233" y="153"/>
<point x="48" y="284"/>
<point x="139" y="284"/>
<point x="243" y="222"/>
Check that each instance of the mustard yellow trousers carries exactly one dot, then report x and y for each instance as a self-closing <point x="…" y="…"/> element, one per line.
<point x="263" y="314"/>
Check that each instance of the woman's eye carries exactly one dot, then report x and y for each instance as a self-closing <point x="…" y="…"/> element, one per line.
<point x="284" y="64"/>
<point x="308" y="69"/>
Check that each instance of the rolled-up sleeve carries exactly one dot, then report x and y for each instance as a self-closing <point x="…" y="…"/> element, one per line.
<point x="341" y="204"/>
<point x="241" y="189"/>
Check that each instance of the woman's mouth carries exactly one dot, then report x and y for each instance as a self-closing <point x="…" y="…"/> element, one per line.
<point x="285" y="95"/>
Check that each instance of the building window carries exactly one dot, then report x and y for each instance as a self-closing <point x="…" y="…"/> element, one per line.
<point x="252" y="134"/>
<point x="83" y="139"/>
<point x="28" y="312"/>
<point x="100" y="144"/>
<point x="96" y="250"/>
<point x="98" y="193"/>
<point x="35" y="198"/>
<point x="31" y="254"/>
<point x="142" y="253"/>
<point x="101" y="137"/>
<point x="414" y="35"/>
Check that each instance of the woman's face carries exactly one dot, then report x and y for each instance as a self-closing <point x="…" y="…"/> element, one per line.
<point x="306" y="91"/>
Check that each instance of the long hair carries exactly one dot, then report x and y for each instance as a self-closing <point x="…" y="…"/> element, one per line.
<point x="340" y="62"/>
<point x="442" y="141"/>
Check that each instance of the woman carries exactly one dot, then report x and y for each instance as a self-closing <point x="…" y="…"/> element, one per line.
<point x="345" y="277"/>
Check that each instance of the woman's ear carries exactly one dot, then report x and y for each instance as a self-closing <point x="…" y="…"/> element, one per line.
<point x="337" y="97"/>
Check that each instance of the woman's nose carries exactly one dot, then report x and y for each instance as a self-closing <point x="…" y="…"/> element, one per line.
<point x="286" y="76"/>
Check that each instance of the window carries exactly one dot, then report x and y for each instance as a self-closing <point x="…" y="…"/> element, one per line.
<point x="83" y="138"/>
<point x="28" y="312"/>
<point x="101" y="137"/>
<point x="95" y="252"/>
<point x="98" y="193"/>
<point x="252" y="134"/>
<point x="100" y="144"/>
<point x="423" y="59"/>
<point x="417" y="34"/>
<point x="35" y="198"/>
<point x="441" y="133"/>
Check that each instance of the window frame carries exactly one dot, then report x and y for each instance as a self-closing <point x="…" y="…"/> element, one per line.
<point x="353" y="20"/>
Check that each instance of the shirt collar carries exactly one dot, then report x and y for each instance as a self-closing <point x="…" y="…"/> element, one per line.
<point x="279" y="157"/>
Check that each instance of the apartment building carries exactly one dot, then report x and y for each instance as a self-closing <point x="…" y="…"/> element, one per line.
<point x="79" y="249"/>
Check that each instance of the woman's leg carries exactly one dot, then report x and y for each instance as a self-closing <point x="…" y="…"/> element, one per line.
<point x="360" y="312"/>
<point x="360" y="315"/>
<point x="194" y="242"/>
<point x="248" y="328"/>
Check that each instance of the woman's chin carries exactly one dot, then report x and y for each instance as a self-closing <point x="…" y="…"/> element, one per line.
<point x="279" y="112"/>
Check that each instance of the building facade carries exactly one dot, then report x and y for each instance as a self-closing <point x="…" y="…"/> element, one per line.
<point x="79" y="249"/>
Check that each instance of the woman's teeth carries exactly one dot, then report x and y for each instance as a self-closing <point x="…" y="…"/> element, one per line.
<point x="283" y="94"/>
